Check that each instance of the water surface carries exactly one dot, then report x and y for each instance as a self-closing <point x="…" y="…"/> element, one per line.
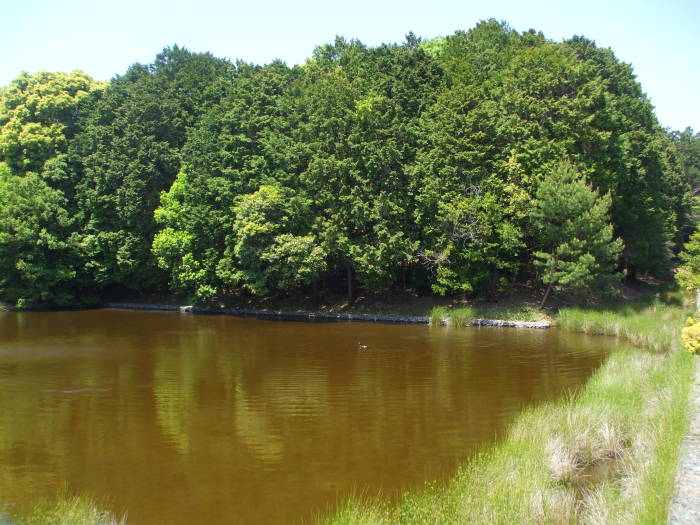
<point x="185" y="419"/>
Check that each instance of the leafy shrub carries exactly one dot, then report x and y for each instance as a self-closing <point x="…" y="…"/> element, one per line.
<point x="691" y="335"/>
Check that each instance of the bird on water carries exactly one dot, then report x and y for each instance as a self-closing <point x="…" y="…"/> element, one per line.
<point x="361" y="346"/>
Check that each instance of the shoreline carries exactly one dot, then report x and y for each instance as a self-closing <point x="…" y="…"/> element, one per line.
<point x="301" y="315"/>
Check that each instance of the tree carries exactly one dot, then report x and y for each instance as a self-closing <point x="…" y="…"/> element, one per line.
<point x="687" y="146"/>
<point x="38" y="117"/>
<point x="129" y="151"/>
<point x="425" y="162"/>
<point x="237" y="146"/>
<point x="39" y="256"/>
<point x="271" y="247"/>
<point x="361" y="131"/>
<point x="631" y="157"/>
<point x="577" y="251"/>
<point x="688" y="274"/>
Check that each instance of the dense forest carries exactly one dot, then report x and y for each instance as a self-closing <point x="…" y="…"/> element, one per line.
<point x="458" y="165"/>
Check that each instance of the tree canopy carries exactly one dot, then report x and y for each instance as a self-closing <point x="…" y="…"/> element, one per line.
<point x="444" y="165"/>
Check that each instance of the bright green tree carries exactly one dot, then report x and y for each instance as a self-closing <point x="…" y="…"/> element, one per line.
<point x="38" y="117"/>
<point x="271" y="247"/>
<point x="688" y="274"/>
<point x="38" y="254"/>
<point x="577" y="251"/>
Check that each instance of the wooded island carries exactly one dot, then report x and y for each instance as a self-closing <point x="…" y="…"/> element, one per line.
<point x="458" y="165"/>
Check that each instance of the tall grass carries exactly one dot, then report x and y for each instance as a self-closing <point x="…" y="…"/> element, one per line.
<point x="656" y="326"/>
<point x="606" y="454"/>
<point x="461" y="316"/>
<point x="68" y="510"/>
<point x="442" y="315"/>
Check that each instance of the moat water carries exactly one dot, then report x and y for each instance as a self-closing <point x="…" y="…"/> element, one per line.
<point x="182" y="419"/>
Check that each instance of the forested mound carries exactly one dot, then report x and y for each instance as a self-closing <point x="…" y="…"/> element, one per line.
<point x="462" y="164"/>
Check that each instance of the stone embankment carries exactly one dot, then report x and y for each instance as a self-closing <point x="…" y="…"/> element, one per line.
<point x="317" y="316"/>
<point x="276" y="314"/>
<point x="512" y="324"/>
<point x="685" y="506"/>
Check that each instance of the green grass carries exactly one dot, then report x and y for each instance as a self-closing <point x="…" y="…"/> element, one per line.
<point x="441" y="315"/>
<point x="606" y="454"/>
<point x="461" y="315"/>
<point x="655" y="326"/>
<point x="68" y="510"/>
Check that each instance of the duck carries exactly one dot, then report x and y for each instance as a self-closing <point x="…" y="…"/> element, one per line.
<point x="360" y="346"/>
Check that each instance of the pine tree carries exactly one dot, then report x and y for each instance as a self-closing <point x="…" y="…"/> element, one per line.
<point x="578" y="253"/>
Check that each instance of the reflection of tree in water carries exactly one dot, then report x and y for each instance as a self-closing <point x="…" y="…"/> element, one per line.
<point x="255" y="430"/>
<point x="173" y="385"/>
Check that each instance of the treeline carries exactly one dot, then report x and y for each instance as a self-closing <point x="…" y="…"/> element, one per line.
<point x="462" y="164"/>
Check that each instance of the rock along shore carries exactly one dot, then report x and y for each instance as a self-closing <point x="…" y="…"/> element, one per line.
<point x="316" y="316"/>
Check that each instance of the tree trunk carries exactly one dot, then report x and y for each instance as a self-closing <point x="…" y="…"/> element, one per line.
<point x="551" y="283"/>
<point x="697" y="299"/>
<point x="349" y="269"/>
<point x="316" y="292"/>
<point x="546" y="294"/>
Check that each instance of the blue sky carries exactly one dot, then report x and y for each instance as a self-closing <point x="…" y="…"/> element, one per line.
<point x="660" y="38"/>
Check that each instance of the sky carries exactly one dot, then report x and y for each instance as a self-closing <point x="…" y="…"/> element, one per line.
<point x="660" y="38"/>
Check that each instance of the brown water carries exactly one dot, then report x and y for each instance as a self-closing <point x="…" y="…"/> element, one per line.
<point x="216" y="420"/>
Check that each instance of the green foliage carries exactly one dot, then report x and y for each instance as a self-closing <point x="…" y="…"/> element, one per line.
<point x="69" y="510"/>
<point x="688" y="275"/>
<point x="469" y="217"/>
<point x="654" y="326"/>
<point x="418" y="164"/>
<point x="434" y="47"/>
<point x="687" y="146"/>
<point x="38" y="117"/>
<point x="362" y="130"/>
<point x="237" y="145"/>
<point x="270" y="247"/>
<point x="129" y="151"/>
<point x="577" y="251"/>
<point x="38" y="254"/>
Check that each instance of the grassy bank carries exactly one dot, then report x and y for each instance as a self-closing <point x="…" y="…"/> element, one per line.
<point x="605" y="455"/>
<point x="656" y="326"/>
<point x="68" y="510"/>
<point x="508" y="311"/>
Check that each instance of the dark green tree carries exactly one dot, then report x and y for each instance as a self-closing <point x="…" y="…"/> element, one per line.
<point x="239" y="145"/>
<point x="577" y="251"/>
<point x="687" y="148"/>
<point x="129" y="152"/>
